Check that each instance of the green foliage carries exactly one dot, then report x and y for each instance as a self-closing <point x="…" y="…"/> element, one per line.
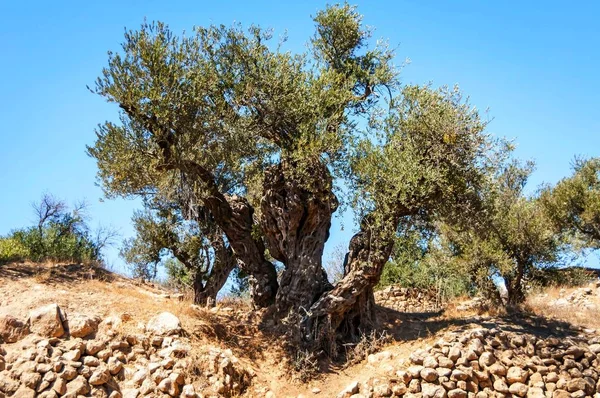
<point x="62" y="235"/>
<point x="418" y="262"/>
<point x="511" y="238"/>
<point x="573" y="204"/>
<point x="12" y="250"/>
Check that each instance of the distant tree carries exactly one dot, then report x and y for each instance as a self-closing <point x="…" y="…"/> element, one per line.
<point x="265" y="141"/>
<point x="60" y="234"/>
<point x="204" y="258"/>
<point x="510" y="240"/>
<point x="573" y="204"/>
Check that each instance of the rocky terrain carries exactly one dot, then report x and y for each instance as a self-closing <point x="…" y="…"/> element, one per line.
<point x="66" y="333"/>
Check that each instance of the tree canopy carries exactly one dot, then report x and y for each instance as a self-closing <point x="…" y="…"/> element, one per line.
<point x="268" y="144"/>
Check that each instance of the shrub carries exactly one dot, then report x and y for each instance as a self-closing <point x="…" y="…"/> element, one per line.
<point x="12" y="250"/>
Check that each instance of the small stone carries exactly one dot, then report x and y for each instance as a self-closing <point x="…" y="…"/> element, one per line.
<point x="188" y="391"/>
<point x="130" y="393"/>
<point x="168" y="386"/>
<point x="147" y="387"/>
<point x="79" y="386"/>
<point x="516" y="375"/>
<point x="429" y="374"/>
<point x="382" y="390"/>
<point x="164" y="324"/>
<point x="24" y="392"/>
<point x="518" y="388"/>
<point x="47" y="321"/>
<point x="80" y="325"/>
<point x="100" y="376"/>
<point x="12" y="329"/>
<point x="91" y="361"/>
<point x="486" y="359"/>
<point x="457" y="393"/>
<point x="60" y="386"/>
<point x="432" y="391"/>
<point x="500" y="386"/>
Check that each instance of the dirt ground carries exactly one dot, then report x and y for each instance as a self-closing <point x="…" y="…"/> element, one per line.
<point x="94" y="291"/>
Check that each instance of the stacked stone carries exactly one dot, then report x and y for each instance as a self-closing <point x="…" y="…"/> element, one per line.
<point x="485" y="363"/>
<point x="96" y="359"/>
<point x="408" y="299"/>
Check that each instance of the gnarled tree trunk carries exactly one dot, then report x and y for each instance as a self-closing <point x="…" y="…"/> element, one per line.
<point x="224" y="263"/>
<point x="349" y="309"/>
<point x="295" y="221"/>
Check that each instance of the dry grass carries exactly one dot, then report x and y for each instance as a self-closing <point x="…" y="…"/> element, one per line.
<point x="541" y="305"/>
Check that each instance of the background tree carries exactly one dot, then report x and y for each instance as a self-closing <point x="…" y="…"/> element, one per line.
<point x="60" y="234"/>
<point x="262" y="139"/>
<point x="573" y="204"/>
<point x="510" y="240"/>
<point x="203" y="257"/>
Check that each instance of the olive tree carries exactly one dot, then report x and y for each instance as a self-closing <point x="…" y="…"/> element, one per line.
<point x="510" y="240"/>
<point x="574" y="203"/>
<point x="271" y="143"/>
<point x="205" y="256"/>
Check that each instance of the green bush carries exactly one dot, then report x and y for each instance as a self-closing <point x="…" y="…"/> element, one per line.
<point x="12" y="250"/>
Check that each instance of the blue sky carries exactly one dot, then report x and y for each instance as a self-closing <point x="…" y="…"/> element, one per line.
<point x="533" y="64"/>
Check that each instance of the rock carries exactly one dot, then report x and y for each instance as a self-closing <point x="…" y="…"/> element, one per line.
<point x="500" y="386"/>
<point x="7" y="384"/>
<point x="47" y="321"/>
<point x="79" y="386"/>
<point x="595" y="348"/>
<point x="80" y="325"/>
<point x="382" y="390"/>
<point x="457" y="393"/>
<point x="48" y="394"/>
<point x="130" y="393"/>
<point x="518" y="388"/>
<point x="580" y="384"/>
<point x="516" y="375"/>
<point x="100" y="376"/>
<point x="398" y="389"/>
<point x="168" y="386"/>
<point x="497" y="369"/>
<point x="432" y="391"/>
<point x="147" y="387"/>
<point x="72" y="355"/>
<point x="12" y="329"/>
<point x="60" y="386"/>
<point x="188" y="391"/>
<point x="114" y="366"/>
<point x="24" y="392"/>
<point x="30" y="379"/>
<point x="429" y="374"/>
<point x="535" y="392"/>
<point x="430" y="362"/>
<point x="487" y="359"/>
<point x="164" y="324"/>
<point x="92" y="347"/>
<point x="561" y="394"/>
<point x="350" y="390"/>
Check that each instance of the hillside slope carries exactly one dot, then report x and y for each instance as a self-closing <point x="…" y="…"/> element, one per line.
<point x="71" y="330"/>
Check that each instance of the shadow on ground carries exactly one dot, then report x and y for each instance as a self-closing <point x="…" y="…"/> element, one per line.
<point x="411" y="326"/>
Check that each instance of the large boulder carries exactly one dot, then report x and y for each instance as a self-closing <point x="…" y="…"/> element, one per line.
<point x="12" y="329"/>
<point x="47" y="321"/>
<point x="80" y="325"/>
<point x="164" y="324"/>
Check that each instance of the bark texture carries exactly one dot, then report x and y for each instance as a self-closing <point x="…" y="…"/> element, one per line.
<point x="295" y="219"/>
<point x="349" y="308"/>
<point x="224" y="263"/>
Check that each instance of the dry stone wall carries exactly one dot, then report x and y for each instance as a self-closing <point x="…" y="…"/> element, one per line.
<point x="484" y="363"/>
<point x="50" y="355"/>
